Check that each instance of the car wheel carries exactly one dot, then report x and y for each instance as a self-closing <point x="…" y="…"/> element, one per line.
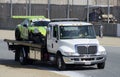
<point x="30" y="37"/>
<point x="17" y="34"/>
<point x="38" y="38"/>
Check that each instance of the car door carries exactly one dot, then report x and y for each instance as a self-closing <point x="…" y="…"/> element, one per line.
<point x="24" y="29"/>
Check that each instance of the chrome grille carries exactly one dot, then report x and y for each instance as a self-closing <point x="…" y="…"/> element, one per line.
<point x="87" y="49"/>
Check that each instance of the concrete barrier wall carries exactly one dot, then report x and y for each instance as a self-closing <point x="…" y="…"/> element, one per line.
<point x="118" y="30"/>
<point x="109" y="29"/>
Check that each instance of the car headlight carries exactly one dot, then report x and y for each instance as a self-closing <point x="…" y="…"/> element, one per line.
<point x="36" y="30"/>
<point x="101" y="53"/>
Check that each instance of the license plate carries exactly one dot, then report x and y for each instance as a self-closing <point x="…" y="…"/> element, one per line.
<point x="87" y="63"/>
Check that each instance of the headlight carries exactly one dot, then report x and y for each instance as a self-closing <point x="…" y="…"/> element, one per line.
<point x="101" y="53"/>
<point x="36" y="30"/>
<point x="68" y="53"/>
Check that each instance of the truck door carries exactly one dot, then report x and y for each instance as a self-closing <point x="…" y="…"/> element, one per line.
<point x="52" y="43"/>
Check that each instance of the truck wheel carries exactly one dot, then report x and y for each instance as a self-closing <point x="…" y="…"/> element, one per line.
<point x="101" y="65"/>
<point x="17" y="34"/>
<point x="22" y="57"/>
<point x="60" y="63"/>
<point x="17" y="56"/>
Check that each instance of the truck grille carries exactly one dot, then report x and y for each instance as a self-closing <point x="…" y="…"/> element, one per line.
<point x="87" y="49"/>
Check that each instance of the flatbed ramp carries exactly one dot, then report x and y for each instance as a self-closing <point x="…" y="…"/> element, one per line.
<point x="24" y="43"/>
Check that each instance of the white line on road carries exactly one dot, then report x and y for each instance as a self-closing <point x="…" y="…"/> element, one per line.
<point x="65" y="73"/>
<point x="70" y="73"/>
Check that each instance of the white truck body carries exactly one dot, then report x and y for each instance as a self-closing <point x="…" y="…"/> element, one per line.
<point x="70" y="48"/>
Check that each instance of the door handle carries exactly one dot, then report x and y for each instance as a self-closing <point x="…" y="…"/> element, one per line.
<point x="56" y="41"/>
<point x="52" y="45"/>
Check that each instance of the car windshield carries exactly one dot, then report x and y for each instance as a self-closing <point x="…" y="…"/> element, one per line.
<point x="76" y="32"/>
<point x="40" y="23"/>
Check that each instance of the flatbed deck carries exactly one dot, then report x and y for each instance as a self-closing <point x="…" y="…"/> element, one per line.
<point x="25" y="43"/>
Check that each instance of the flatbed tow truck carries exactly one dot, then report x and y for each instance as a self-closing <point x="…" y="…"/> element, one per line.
<point x="67" y="43"/>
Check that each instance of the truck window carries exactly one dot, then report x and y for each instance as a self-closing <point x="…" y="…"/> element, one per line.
<point x="49" y="33"/>
<point x="75" y="32"/>
<point x="55" y="31"/>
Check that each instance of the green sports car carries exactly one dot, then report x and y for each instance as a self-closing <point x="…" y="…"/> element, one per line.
<point x="33" y="28"/>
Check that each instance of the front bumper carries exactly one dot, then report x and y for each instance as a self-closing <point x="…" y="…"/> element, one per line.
<point x="84" y="60"/>
<point x="38" y="38"/>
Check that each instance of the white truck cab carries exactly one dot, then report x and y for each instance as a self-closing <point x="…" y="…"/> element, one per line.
<point x="74" y="42"/>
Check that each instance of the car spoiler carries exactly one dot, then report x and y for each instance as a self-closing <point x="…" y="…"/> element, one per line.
<point x="29" y="17"/>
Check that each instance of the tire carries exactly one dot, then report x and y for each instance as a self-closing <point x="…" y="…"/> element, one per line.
<point x="17" y="34"/>
<point x="22" y="57"/>
<point x="17" y="56"/>
<point x="30" y="37"/>
<point x="101" y="65"/>
<point x="38" y="38"/>
<point x="60" y="63"/>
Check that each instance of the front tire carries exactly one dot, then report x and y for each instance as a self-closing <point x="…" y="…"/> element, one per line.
<point x="60" y="63"/>
<point x="17" y="55"/>
<point x="101" y="65"/>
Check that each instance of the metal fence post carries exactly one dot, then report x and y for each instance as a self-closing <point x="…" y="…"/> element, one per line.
<point x="29" y="8"/>
<point x="11" y="8"/>
<point x="87" y="10"/>
<point x="26" y="7"/>
<point x="108" y="10"/>
<point x="68" y="9"/>
<point x="49" y="1"/>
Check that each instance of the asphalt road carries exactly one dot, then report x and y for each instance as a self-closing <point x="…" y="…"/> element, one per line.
<point x="112" y="68"/>
<point x="4" y="53"/>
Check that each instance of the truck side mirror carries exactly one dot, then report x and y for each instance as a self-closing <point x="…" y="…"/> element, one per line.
<point x="101" y="31"/>
<point x="48" y="30"/>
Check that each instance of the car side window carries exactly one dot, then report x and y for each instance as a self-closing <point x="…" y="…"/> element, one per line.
<point x="25" y="22"/>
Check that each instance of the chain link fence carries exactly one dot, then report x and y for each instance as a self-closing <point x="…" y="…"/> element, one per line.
<point x="48" y="7"/>
<point x="53" y="9"/>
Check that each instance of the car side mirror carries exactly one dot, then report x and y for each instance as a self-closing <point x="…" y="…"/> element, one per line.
<point x="25" y="25"/>
<point x="101" y="31"/>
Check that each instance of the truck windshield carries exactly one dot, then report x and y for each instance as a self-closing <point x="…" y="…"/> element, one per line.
<point x="76" y="32"/>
